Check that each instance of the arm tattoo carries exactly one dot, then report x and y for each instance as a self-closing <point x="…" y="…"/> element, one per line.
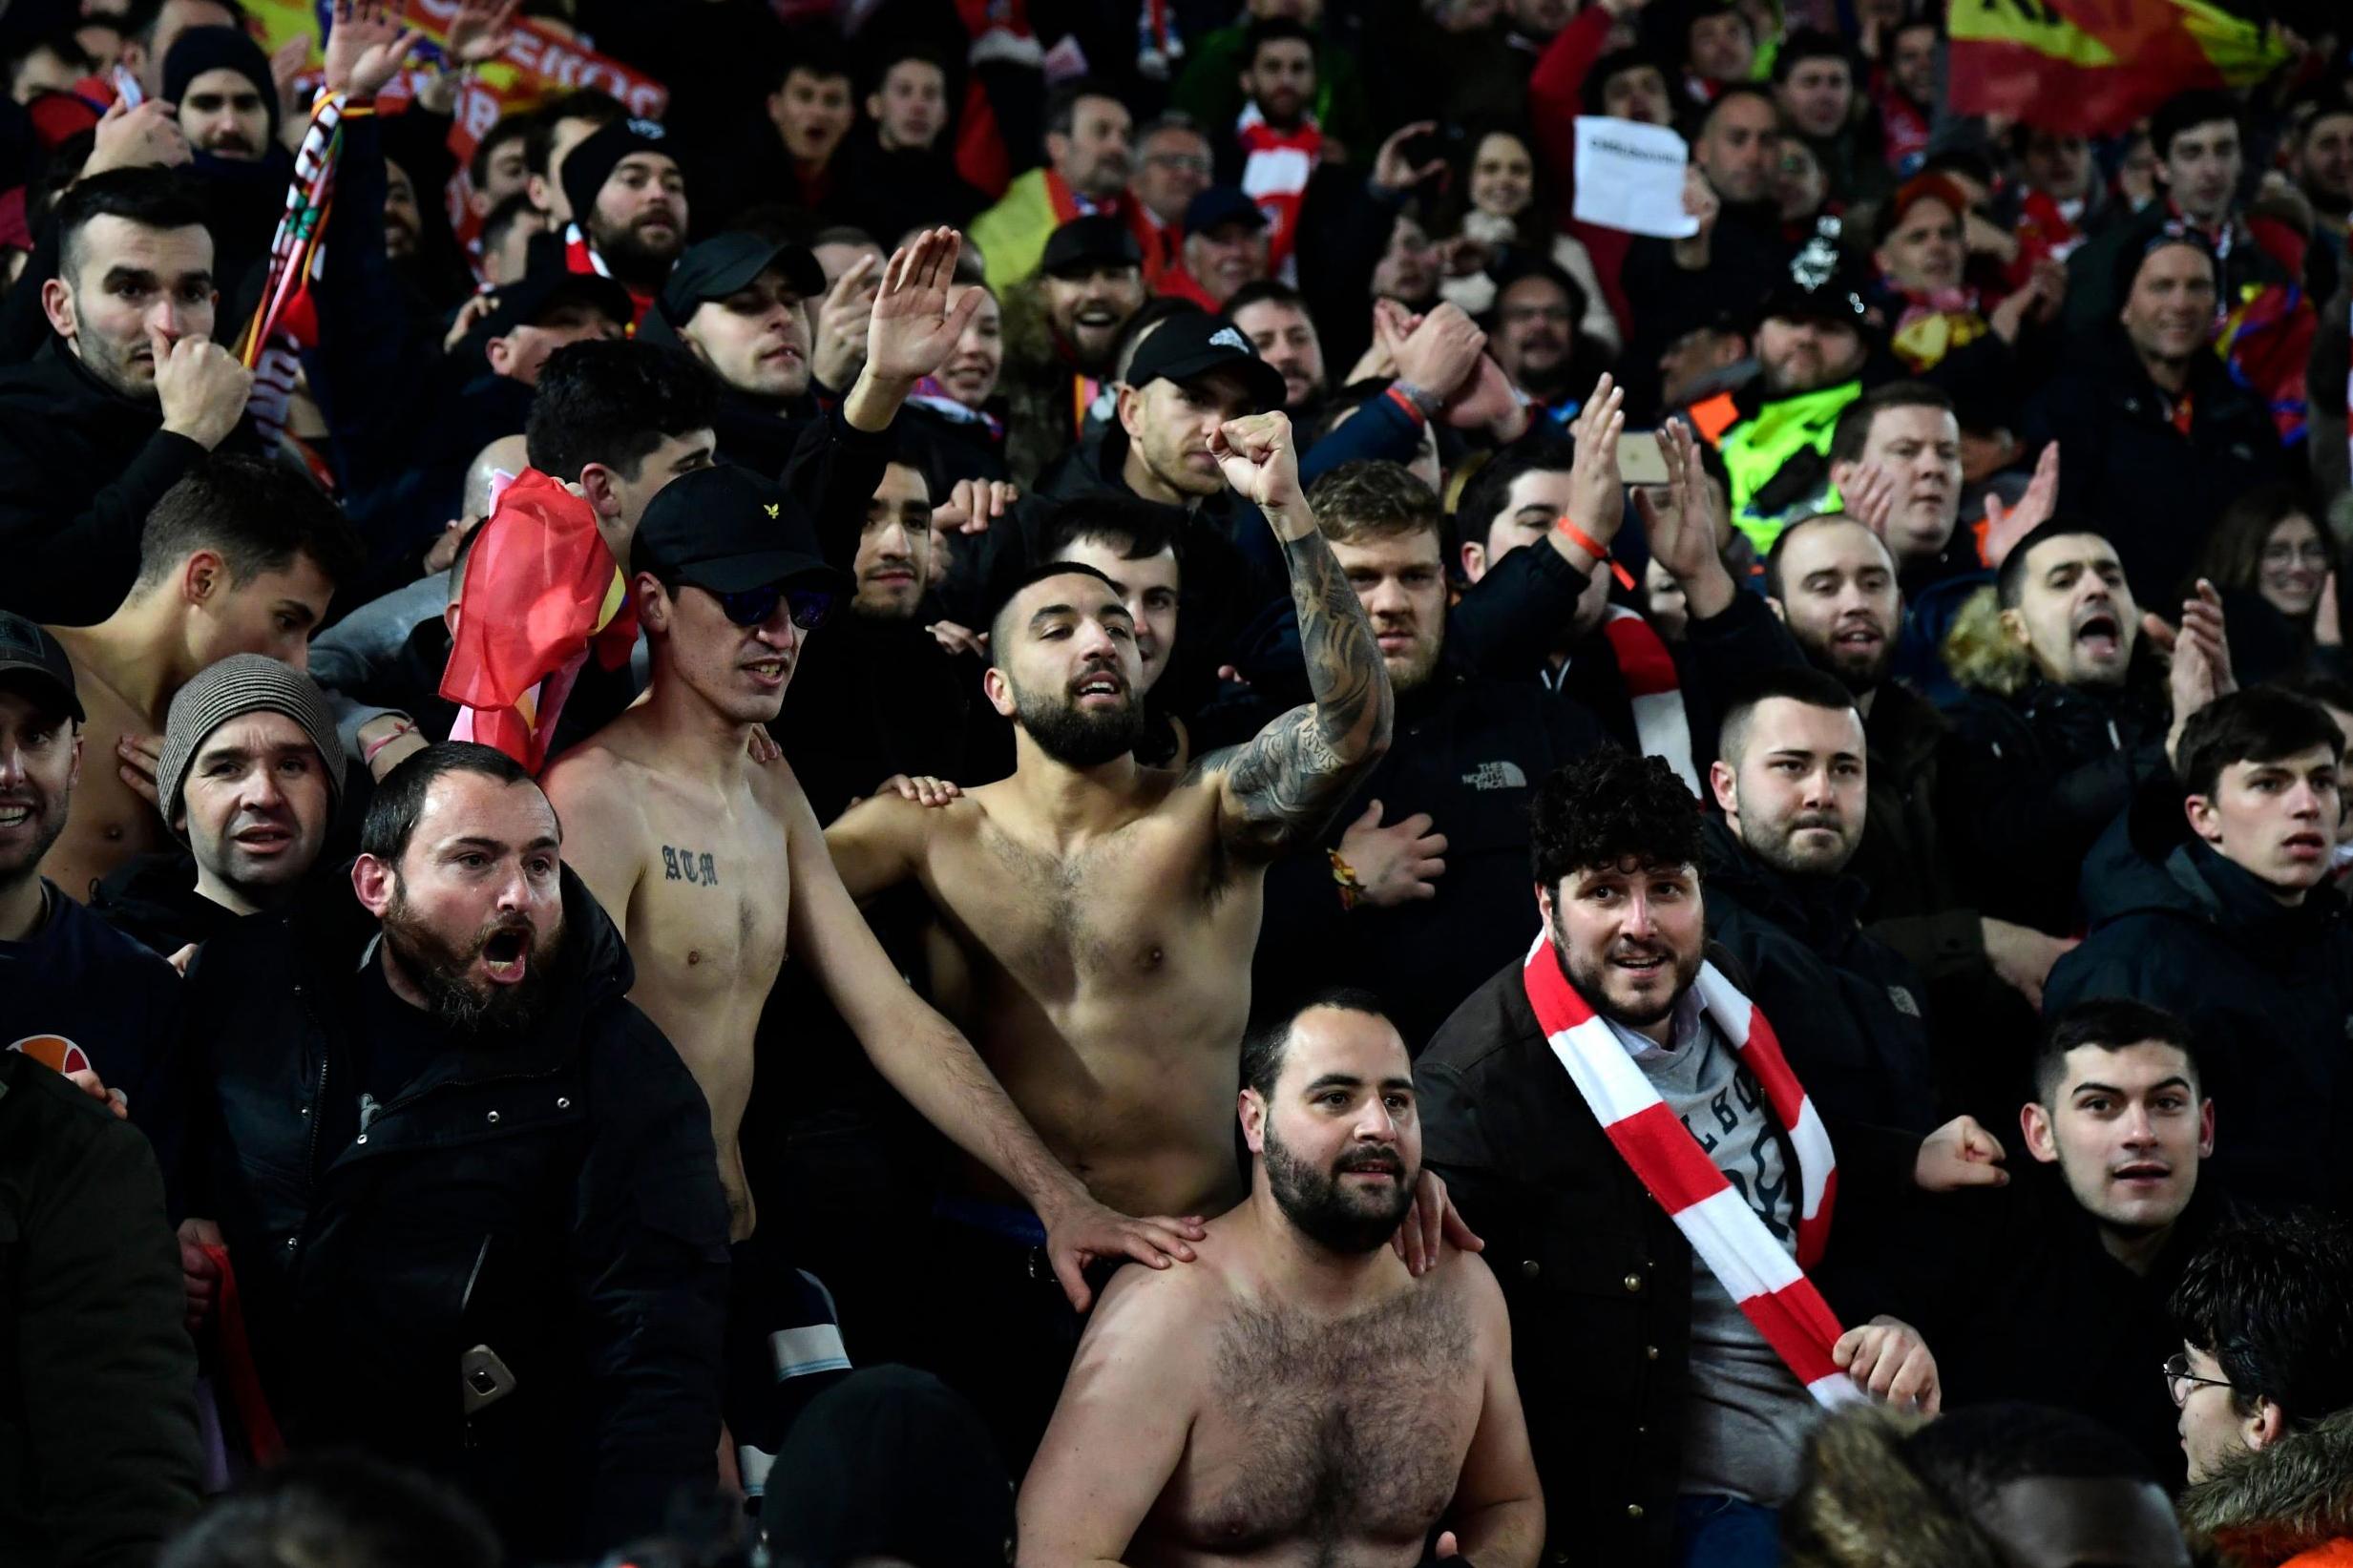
<point x="1282" y="787"/>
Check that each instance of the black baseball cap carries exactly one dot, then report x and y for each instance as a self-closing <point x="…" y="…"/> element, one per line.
<point x="1192" y="344"/>
<point x="727" y="263"/>
<point x="527" y="301"/>
<point x="1222" y="204"/>
<point x="26" y="649"/>
<point x="729" y="530"/>
<point x="1835" y="299"/>
<point x="1093" y="240"/>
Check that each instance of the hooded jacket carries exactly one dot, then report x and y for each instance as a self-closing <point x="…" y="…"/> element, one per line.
<point x="553" y="1197"/>
<point x="2051" y="766"/>
<point x="2289" y="1506"/>
<point x="2267" y="991"/>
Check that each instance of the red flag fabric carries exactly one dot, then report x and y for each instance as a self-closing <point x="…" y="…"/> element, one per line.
<point x="541" y="594"/>
<point x="2093" y="67"/>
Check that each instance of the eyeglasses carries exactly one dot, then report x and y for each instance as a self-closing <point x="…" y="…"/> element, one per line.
<point x="1180" y="163"/>
<point x="2179" y="1381"/>
<point x="809" y="607"/>
<point x="2311" y="551"/>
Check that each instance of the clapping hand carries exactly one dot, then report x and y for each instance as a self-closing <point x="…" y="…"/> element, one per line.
<point x="365" y="48"/>
<point x="911" y="331"/>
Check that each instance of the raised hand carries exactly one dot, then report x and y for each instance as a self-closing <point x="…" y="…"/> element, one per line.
<point x="1868" y="492"/>
<point x="1440" y="351"/>
<point x="1489" y="401"/>
<point x="1261" y="462"/>
<point x="1596" y="495"/>
<point x="1396" y="172"/>
<point x="844" y="318"/>
<point x="973" y="505"/>
<point x="911" y="331"/>
<point x="2005" y="526"/>
<point x="1684" y="525"/>
<point x="480" y="30"/>
<point x="134" y="138"/>
<point x="365" y="48"/>
<point x="200" y="386"/>
<point x="1888" y="1360"/>
<point x="286" y="64"/>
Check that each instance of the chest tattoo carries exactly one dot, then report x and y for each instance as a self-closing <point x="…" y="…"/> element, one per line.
<point x="687" y="865"/>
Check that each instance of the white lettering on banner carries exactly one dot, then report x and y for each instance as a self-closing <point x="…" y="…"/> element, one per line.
<point x="1630" y="177"/>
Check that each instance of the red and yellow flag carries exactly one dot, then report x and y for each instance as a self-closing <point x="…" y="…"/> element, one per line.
<point x="2092" y="67"/>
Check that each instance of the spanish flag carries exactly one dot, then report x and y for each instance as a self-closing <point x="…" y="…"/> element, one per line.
<point x="2092" y="67"/>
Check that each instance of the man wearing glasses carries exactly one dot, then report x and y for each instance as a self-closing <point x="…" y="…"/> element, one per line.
<point x="2264" y="1381"/>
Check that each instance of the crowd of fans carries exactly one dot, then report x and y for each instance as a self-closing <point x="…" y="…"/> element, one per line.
<point x="1052" y="786"/>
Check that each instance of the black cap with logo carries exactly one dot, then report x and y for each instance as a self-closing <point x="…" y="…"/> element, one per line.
<point x="28" y="650"/>
<point x="528" y="301"/>
<point x="725" y="264"/>
<point x="729" y="529"/>
<point x="1193" y="343"/>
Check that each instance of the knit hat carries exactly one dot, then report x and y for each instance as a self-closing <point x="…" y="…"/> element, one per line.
<point x="200" y="50"/>
<point x="590" y="165"/>
<point x="238" y="685"/>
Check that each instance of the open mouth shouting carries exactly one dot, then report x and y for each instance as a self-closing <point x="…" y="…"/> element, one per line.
<point x="2100" y="635"/>
<point x="506" y="954"/>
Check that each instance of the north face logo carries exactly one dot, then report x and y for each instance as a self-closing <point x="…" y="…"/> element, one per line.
<point x="1496" y="776"/>
<point x="1226" y="337"/>
<point x="650" y="130"/>
<point x="1904" y="1003"/>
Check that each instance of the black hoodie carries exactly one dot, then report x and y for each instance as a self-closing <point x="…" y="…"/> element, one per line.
<point x="2267" y="991"/>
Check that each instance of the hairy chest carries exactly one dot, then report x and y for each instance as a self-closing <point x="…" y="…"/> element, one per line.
<point x="1325" y="1432"/>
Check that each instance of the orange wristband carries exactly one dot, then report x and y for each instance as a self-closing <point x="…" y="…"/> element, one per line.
<point x="1585" y="541"/>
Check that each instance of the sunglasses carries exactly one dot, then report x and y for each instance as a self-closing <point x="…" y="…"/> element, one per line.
<point x="808" y="607"/>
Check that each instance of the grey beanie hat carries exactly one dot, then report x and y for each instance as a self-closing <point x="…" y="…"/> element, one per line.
<point x="240" y="685"/>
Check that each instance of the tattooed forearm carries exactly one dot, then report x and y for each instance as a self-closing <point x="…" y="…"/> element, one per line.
<point x="1283" y="786"/>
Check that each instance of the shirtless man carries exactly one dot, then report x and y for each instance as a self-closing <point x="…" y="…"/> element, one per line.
<point x="711" y="859"/>
<point x="1102" y="914"/>
<point x="239" y="557"/>
<point x="1298" y="1394"/>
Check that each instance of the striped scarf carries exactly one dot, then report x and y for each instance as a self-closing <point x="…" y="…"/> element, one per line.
<point x="1755" y="1270"/>
<point x="1654" y="691"/>
<point x="1274" y="174"/>
<point x="287" y="320"/>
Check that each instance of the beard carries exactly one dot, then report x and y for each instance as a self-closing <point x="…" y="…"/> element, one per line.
<point x="1592" y="980"/>
<point x="1339" y="1218"/>
<point x="1858" y="673"/>
<point x="633" y="258"/>
<point x="1076" y="737"/>
<point x="438" y="967"/>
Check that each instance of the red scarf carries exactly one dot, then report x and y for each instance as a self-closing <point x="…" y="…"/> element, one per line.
<point x="1274" y="174"/>
<point x="580" y="256"/>
<point x="1727" y="1236"/>
<point x="1654" y="691"/>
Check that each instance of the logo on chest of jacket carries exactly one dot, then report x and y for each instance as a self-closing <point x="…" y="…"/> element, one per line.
<point x="1505" y="775"/>
<point x="1905" y="1001"/>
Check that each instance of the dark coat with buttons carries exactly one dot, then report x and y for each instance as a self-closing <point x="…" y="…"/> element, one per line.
<point x="1596" y="1276"/>
<point x="555" y="1197"/>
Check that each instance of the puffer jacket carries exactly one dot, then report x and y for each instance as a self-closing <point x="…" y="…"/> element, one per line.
<point x="555" y="1197"/>
<point x="2289" y="1506"/>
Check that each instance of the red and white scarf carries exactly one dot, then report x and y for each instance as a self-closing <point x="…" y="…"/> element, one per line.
<point x="1727" y="1235"/>
<point x="287" y="319"/>
<point x="1653" y="690"/>
<point x="1274" y="173"/>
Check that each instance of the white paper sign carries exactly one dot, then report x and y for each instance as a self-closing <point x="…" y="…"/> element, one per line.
<point x="1630" y="176"/>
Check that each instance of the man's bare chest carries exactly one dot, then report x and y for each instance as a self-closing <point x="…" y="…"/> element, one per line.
<point x="1140" y="906"/>
<point x="714" y="894"/>
<point x="1329" y="1431"/>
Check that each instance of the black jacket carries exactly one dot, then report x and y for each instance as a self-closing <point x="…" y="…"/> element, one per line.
<point x="152" y="899"/>
<point x="99" y="1458"/>
<point x="1995" y="1273"/>
<point x="2050" y="768"/>
<point x="2267" y="991"/>
<point x="1597" y="1278"/>
<point x="1470" y="752"/>
<point x="1847" y="1009"/>
<point x="2154" y="489"/>
<point x="81" y="468"/>
<point x="556" y="1198"/>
